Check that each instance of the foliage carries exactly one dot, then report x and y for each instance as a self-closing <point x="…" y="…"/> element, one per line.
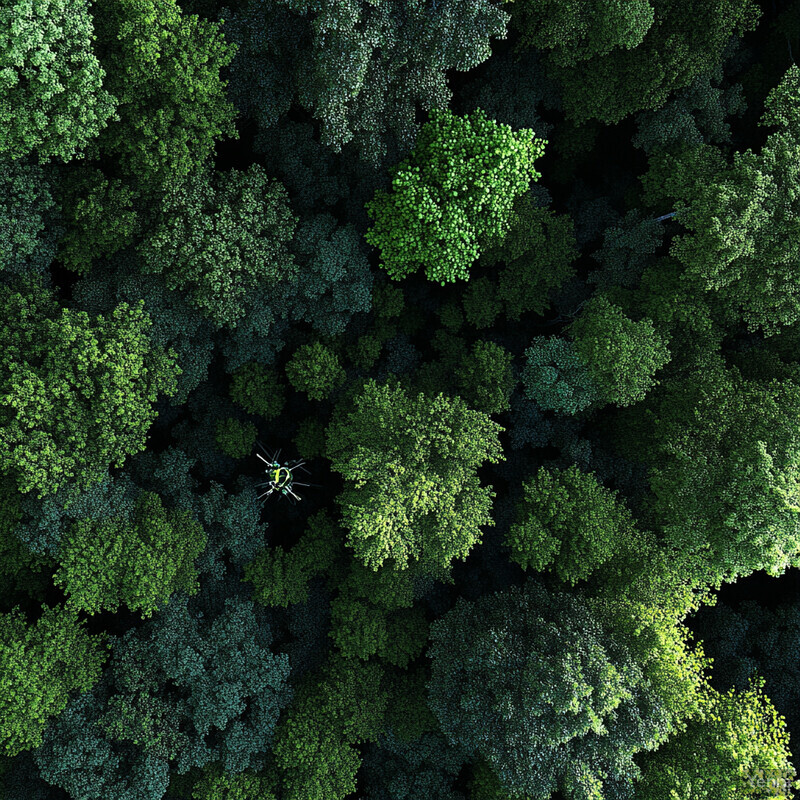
<point x="453" y="197"/>
<point x="99" y="216"/>
<point x="537" y="252"/>
<point x="314" y="744"/>
<point x="236" y="438"/>
<point x="243" y="786"/>
<point x="481" y="303"/>
<point x="734" y="747"/>
<point x="164" y="68"/>
<point x="53" y="88"/>
<point x="315" y="369"/>
<point x="197" y="690"/>
<point x="76" y="396"/>
<point x="486" y="378"/>
<point x="577" y="30"/>
<point x="281" y="577"/>
<point x="410" y="464"/>
<point x="367" y="66"/>
<point x="556" y="377"/>
<point x="724" y="473"/>
<point x="744" y="223"/>
<point x="138" y="562"/>
<point x="221" y="236"/>
<point x="29" y="229"/>
<point x="334" y="280"/>
<point x="609" y="86"/>
<point x="620" y="355"/>
<point x="258" y="390"/>
<point x="570" y="706"/>
<point x="568" y="522"/>
<point x="41" y="664"/>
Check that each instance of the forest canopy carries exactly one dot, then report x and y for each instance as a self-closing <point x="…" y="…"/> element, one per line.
<point x="399" y="399"/>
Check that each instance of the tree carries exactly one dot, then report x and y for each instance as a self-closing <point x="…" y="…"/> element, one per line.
<point x="139" y="562"/>
<point x="195" y="690"/>
<point x="577" y="30"/>
<point x="486" y="377"/>
<point x="744" y="223"/>
<point x="610" y="85"/>
<point x="334" y="280"/>
<point x="724" y="458"/>
<point x="222" y="235"/>
<point x="366" y="66"/>
<point x="315" y="369"/>
<point x="164" y="68"/>
<point x="621" y="356"/>
<point x="410" y="464"/>
<point x="29" y="229"/>
<point x="538" y="254"/>
<point x="332" y="711"/>
<point x="453" y="196"/>
<point x="570" y="523"/>
<point x="76" y="396"/>
<point x="737" y="746"/>
<point x="40" y="665"/>
<point x="575" y="698"/>
<point x="54" y="101"/>
<point x="99" y="216"/>
<point x="281" y="577"/>
<point x="556" y="377"/>
<point x="258" y="390"/>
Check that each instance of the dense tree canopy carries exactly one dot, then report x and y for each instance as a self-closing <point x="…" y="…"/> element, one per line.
<point x="507" y="292"/>
<point x="410" y="463"/>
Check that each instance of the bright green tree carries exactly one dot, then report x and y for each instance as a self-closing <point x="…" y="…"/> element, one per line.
<point x="221" y="236"/>
<point x="164" y="68"/>
<point x="736" y="747"/>
<point x="620" y="355"/>
<point x="315" y="369"/>
<point x="569" y="523"/>
<point x="53" y="100"/>
<point x="745" y="222"/>
<point x="76" y="396"/>
<point x="412" y="488"/>
<point x="137" y="562"/>
<point x="40" y="665"/>
<point x="453" y="196"/>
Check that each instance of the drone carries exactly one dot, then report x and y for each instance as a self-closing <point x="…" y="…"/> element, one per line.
<point x="281" y="476"/>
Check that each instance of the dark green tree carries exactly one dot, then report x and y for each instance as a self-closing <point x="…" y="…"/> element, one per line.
<point x="163" y="66"/>
<point x="580" y="690"/>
